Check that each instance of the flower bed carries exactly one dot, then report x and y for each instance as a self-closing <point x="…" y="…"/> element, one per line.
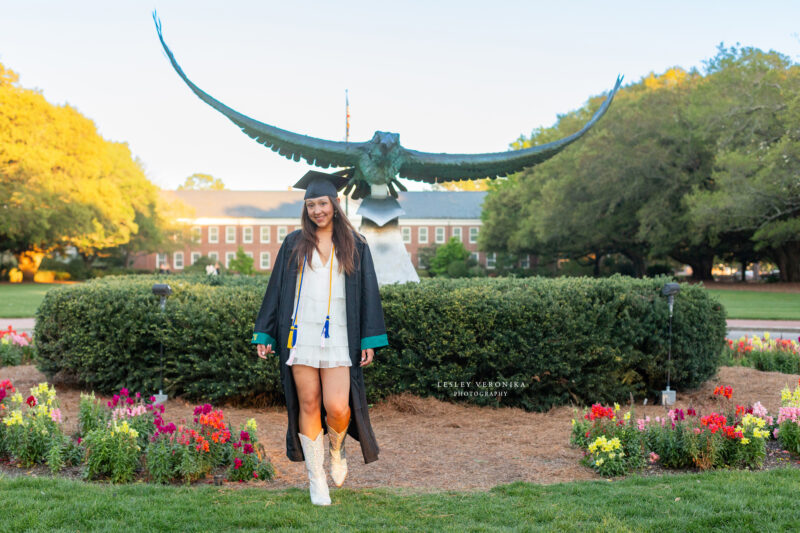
<point x="127" y="438"/>
<point x="731" y="436"/>
<point x="763" y="353"/>
<point x="15" y="348"/>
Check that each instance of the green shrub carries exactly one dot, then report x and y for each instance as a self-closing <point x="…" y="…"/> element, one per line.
<point x="565" y="340"/>
<point x="532" y="343"/>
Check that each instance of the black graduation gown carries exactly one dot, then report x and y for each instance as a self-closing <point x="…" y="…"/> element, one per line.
<point x="365" y="329"/>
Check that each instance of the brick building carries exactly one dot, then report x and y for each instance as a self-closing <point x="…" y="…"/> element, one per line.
<point x="258" y="221"/>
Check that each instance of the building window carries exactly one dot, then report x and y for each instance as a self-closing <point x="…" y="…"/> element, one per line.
<point x="422" y="235"/>
<point x="247" y="234"/>
<point x="439" y="234"/>
<point x="281" y="233"/>
<point x="194" y="257"/>
<point x="264" y="234"/>
<point x="473" y="235"/>
<point x="526" y="261"/>
<point x="230" y="233"/>
<point x="160" y="259"/>
<point x="229" y="256"/>
<point x="213" y="234"/>
<point x="249" y="254"/>
<point x="197" y="234"/>
<point x="476" y="256"/>
<point x="265" y="260"/>
<point x="457" y="234"/>
<point x="214" y="256"/>
<point x="177" y="259"/>
<point x="419" y="261"/>
<point x="406" y="235"/>
<point x="491" y="260"/>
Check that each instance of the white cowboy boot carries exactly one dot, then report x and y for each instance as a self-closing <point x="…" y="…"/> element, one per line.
<point x="314" y="452"/>
<point x="338" y="458"/>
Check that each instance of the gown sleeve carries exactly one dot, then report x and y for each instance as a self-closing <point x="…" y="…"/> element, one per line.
<point x="266" y="326"/>
<point x="373" y="329"/>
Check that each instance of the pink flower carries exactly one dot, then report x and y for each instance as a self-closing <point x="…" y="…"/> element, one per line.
<point x="775" y="433"/>
<point x="130" y="401"/>
<point x="152" y="399"/>
<point x="55" y="415"/>
<point x="759" y="410"/>
<point x="123" y="391"/>
<point x="244" y="436"/>
<point x="138" y="395"/>
<point x="237" y="463"/>
<point x="653" y="457"/>
<point x="247" y="448"/>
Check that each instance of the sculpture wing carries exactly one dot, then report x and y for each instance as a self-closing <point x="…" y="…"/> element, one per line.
<point x="319" y="152"/>
<point x="438" y="168"/>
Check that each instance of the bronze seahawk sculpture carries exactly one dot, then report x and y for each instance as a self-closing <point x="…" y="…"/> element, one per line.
<point x="382" y="160"/>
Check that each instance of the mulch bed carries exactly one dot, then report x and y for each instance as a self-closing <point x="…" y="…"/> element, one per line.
<point x="430" y="445"/>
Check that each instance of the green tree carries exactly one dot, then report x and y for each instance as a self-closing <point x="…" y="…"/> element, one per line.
<point x="242" y="263"/>
<point x="62" y="184"/>
<point x="202" y="182"/>
<point x="453" y="251"/>
<point x="751" y="101"/>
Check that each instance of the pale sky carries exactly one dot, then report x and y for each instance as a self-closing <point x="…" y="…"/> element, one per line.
<point x="448" y="76"/>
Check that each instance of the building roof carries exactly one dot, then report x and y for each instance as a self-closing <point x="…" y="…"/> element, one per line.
<point x="289" y="204"/>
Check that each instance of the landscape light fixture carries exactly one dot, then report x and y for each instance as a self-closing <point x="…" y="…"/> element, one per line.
<point x="162" y="290"/>
<point x="669" y="290"/>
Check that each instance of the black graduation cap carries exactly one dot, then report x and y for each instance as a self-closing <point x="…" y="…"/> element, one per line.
<point x="319" y="184"/>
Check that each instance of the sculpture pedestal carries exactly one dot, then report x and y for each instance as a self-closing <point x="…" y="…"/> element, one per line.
<point x="392" y="261"/>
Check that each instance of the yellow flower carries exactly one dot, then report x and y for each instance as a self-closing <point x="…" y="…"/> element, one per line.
<point x="573" y="422"/>
<point x="745" y="440"/>
<point x="616" y="407"/>
<point x="627" y="416"/>
<point x="600" y="462"/>
<point x="14" y="419"/>
<point x="251" y="425"/>
<point x="612" y="455"/>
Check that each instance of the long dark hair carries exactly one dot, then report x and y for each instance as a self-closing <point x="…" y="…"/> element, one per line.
<point x="344" y="239"/>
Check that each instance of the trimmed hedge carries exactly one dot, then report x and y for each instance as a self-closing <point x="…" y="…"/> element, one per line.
<point x="531" y="343"/>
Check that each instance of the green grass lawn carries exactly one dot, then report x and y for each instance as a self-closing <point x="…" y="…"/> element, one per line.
<point x="759" y="305"/>
<point x="20" y="300"/>
<point x="714" y="501"/>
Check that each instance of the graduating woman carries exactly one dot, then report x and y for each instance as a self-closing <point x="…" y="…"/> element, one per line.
<point x="322" y="315"/>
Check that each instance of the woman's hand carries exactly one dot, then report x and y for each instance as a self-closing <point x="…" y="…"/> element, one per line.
<point x="366" y="356"/>
<point x="263" y="350"/>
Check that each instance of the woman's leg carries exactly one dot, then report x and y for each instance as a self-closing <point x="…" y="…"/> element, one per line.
<point x="336" y="396"/>
<point x="309" y="394"/>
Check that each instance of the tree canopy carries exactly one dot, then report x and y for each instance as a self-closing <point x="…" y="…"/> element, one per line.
<point x="685" y="165"/>
<point x="61" y="183"/>
<point x="202" y="182"/>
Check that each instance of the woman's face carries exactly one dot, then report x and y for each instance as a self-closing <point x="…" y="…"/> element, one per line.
<point x="320" y="211"/>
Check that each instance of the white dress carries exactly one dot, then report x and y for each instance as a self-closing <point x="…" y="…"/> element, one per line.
<point x="311" y="316"/>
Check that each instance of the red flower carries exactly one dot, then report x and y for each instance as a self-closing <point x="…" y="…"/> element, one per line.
<point x="244" y="436"/>
<point x="31" y="401"/>
<point x="237" y="463"/>
<point x="255" y="474"/>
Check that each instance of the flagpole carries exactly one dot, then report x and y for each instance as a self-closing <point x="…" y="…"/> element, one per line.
<point x="347" y="140"/>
